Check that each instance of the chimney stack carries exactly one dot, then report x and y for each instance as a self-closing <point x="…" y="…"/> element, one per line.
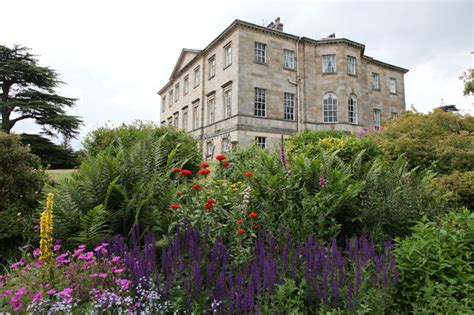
<point x="276" y="25"/>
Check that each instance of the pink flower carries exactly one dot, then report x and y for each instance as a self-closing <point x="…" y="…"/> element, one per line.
<point x="20" y="291"/>
<point x="82" y="246"/>
<point x="56" y="247"/>
<point x="116" y="259"/>
<point x="37" y="297"/>
<point x="66" y="292"/>
<point x="103" y="275"/>
<point x="124" y="283"/>
<point x="52" y="291"/>
<point x="16" y="304"/>
<point x="322" y="181"/>
<point x="38" y="263"/>
<point x="93" y="275"/>
<point x="117" y="270"/>
<point x="100" y="247"/>
<point x="36" y="252"/>
<point x="7" y="293"/>
<point x="86" y="256"/>
<point x="21" y="262"/>
<point x="78" y="251"/>
<point x="89" y="262"/>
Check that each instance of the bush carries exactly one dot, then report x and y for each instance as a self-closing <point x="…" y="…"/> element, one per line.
<point x="21" y="181"/>
<point x="440" y="141"/>
<point x="52" y="155"/>
<point x="435" y="263"/>
<point x="346" y="145"/>
<point x="461" y="184"/>
<point x="116" y="189"/>
<point x="125" y="137"/>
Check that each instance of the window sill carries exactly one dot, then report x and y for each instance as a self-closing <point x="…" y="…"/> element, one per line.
<point x="329" y="73"/>
<point x="261" y="63"/>
<point x="393" y="93"/>
<point x="225" y="67"/>
<point x="378" y="90"/>
<point x="210" y="78"/>
<point x="289" y="69"/>
<point x="352" y="75"/>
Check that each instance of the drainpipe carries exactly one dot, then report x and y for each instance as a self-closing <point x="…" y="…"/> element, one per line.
<point x="297" y="84"/>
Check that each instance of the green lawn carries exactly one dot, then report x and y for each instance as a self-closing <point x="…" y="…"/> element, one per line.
<point x="58" y="175"/>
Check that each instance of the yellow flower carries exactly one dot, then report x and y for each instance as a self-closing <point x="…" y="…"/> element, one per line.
<point x="46" y="235"/>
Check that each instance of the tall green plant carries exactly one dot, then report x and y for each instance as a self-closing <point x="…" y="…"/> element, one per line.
<point x="118" y="188"/>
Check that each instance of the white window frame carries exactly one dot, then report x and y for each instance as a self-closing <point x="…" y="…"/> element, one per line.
<point x="196" y="116"/>
<point x="375" y="81"/>
<point x="186" y="85"/>
<point x="289" y="106"/>
<point x="170" y="98"/>
<point x="330" y="107"/>
<point x="209" y="149"/>
<point x="228" y="55"/>
<point x="176" y="120"/>
<point x="377" y="118"/>
<point x="261" y="142"/>
<point x="260" y="52"/>
<point x="185" y="119"/>
<point x="163" y="104"/>
<point x="176" y="92"/>
<point x="393" y="85"/>
<point x="225" y="144"/>
<point x="352" y="115"/>
<point x="170" y="121"/>
<point x="260" y="102"/>
<point x="288" y="59"/>
<point x="211" y="62"/>
<point x="352" y="65"/>
<point x="329" y="63"/>
<point x="227" y="102"/>
<point x="211" y="109"/>
<point x="197" y="76"/>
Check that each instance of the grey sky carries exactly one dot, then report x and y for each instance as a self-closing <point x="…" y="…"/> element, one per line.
<point x="115" y="55"/>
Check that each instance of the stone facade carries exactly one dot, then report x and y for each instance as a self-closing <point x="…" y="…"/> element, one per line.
<point x="222" y="105"/>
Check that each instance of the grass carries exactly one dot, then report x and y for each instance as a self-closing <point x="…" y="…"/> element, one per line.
<point x="58" y="175"/>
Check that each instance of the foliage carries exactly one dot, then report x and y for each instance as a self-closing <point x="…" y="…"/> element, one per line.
<point x="435" y="263"/>
<point x="440" y="141"/>
<point x="467" y="78"/>
<point x="126" y="136"/>
<point x="52" y="155"/>
<point x="322" y="194"/>
<point x="21" y="181"/>
<point x="117" y="189"/>
<point x="28" y="92"/>
<point x="346" y="145"/>
<point x="461" y="185"/>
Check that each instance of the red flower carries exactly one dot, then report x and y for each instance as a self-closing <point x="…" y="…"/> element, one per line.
<point x="208" y="206"/>
<point x="225" y="164"/>
<point x="204" y="172"/>
<point x="176" y="169"/>
<point x="240" y="221"/>
<point x="253" y="214"/>
<point x="248" y="174"/>
<point x="256" y="226"/>
<point x="220" y="157"/>
<point x="211" y="201"/>
<point x="174" y="206"/>
<point x="240" y="231"/>
<point x="205" y="165"/>
<point x="196" y="186"/>
<point x="179" y="193"/>
<point x="186" y="172"/>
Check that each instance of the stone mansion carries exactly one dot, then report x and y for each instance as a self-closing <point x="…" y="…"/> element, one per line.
<point x="253" y="84"/>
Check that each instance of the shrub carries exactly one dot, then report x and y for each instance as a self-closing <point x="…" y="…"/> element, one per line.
<point x="21" y="181"/>
<point x="441" y="141"/>
<point x="125" y="137"/>
<point x="52" y="155"/>
<point x="461" y="184"/>
<point x="117" y="189"/>
<point x="435" y="263"/>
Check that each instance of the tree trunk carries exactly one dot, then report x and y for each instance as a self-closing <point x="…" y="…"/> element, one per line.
<point x="6" y="111"/>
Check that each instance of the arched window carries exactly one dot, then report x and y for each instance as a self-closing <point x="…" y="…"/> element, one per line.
<point x="330" y="108"/>
<point x="352" y="109"/>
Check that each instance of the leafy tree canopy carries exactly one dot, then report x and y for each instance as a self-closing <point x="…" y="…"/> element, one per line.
<point x="27" y="91"/>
